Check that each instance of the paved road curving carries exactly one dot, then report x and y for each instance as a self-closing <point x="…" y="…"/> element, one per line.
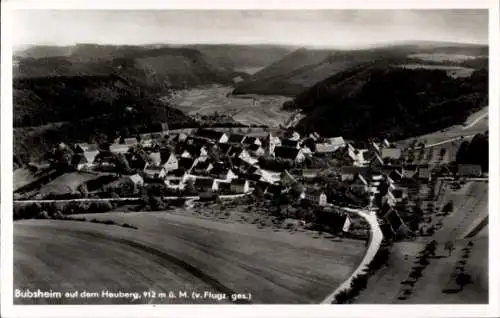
<point x="375" y="240"/>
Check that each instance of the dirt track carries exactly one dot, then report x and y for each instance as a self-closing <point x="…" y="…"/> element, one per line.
<point x="175" y="253"/>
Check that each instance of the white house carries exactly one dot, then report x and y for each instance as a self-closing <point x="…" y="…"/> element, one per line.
<point x="314" y="195"/>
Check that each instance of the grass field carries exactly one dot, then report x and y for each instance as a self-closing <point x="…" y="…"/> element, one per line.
<point x="475" y="123"/>
<point x="67" y="183"/>
<point x="206" y="101"/>
<point x="174" y="252"/>
<point x="470" y="205"/>
<point x="453" y="71"/>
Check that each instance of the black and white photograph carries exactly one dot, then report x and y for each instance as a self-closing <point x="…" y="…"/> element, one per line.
<point x="250" y="156"/>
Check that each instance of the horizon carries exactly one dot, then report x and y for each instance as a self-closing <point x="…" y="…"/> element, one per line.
<point x="296" y="28"/>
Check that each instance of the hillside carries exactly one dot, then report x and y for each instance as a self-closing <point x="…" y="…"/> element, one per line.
<point x="238" y="57"/>
<point x="305" y="67"/>
<point x="176" y="252"/>
<point x="85" y="109"/>
<point x="157" y="69"/>
<point x="378" y="99"/>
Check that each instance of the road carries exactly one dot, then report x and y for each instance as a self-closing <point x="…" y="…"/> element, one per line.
<point x="229" y="196"/>
<point x="448" y="141"/>
<point x="476" y="120"/>
<point x="375" y="240"/>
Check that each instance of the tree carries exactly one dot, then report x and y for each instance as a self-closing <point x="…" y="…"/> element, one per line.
<point x="448" y="207"/>
<point x="463" y="279"/>
<point x="449" y="247"/>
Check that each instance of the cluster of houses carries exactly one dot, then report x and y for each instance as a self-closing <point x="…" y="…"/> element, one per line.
<point x="218" y="162"/>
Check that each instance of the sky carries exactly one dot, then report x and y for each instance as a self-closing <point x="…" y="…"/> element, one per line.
<point x="319" y="28"/>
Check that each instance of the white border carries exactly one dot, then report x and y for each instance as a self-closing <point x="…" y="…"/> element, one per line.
<point x="491" y="310"/>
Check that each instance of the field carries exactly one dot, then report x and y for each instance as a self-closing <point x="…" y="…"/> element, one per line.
<point x="67" y="183"/>
<point x="475" y="123"/>
<point x="387" y="285"/>
<point x="172" y="252"/>
<point x="453" y="71"/>
<point x="206" y="101"/>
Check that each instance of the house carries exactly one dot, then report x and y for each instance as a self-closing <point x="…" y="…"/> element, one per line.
<point x="409" y="171"/>
<point x="223" y="187"/>
<point x="289" y="153"/>
<point x="79" y="148"/>
<point x="376" y="162"/>
<point x="335" y="221"/>
<point x="202" y="167"/>
<point x="245" y="156"/>
<point x="314" y="136"/>
<point x="317" y="196"/>
<point x="395" y="176"/>
<point x="136" y="179"/>
<point x="396" y="223"/>
<point x="397" y="195"/>
<point x="168" y="160"/>
<point x="129" y="141"/>
<point x="325" y="148"/>
<point x="273" y="142"/>
<point x="194" y="151"/>
<point x="270" y="176"/>
<point x="349" y="173"/>
<point x="390" y="154"/>
<point x="139" y="160"/>
<point x="186" y="163"/>
<point x="236" y="139"/>
<point x="289" y="143"/>
<point x="310" y="174"/>
<point x="256" y="150"/>
<point x="287" y="180"/>
<point x="215" y="136"/>
<point x="337" y="142"/>
<point x="155" y="159"/>
<point x="424" y="173"/>
<point x="221" y="172"/>
<point x="155" y="173"/>
<point x="360" y="184"/>
<point x="250" y="140"/>
<point x="79" y="161"/>
<point x="91" y="156"/>
<point x="205" y="184"/>
<point x="240" y="186"/>
<point x="469" y="170"/>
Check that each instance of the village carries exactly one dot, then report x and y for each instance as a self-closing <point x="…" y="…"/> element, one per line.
<point x="396" y="182"/>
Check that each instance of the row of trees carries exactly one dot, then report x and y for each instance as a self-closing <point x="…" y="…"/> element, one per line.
<point x="360" y="282"/>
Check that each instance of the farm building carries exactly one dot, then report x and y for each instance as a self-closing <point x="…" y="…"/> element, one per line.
<point x="469" y="170"/>
<point x="240" y="186"/>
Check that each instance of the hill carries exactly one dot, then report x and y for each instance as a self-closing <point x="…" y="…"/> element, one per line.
<point x="155" y="68"/>
<point x="305" y="67"/>
<point x="240" y="57"/>
<point x="48" y="110"/>
<point x="383" y="99"/>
